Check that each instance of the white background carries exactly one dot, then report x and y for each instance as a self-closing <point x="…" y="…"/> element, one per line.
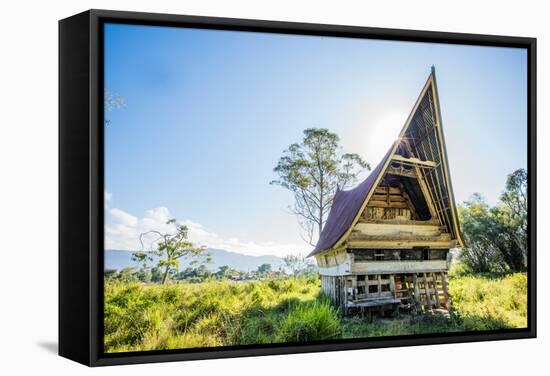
<point x="28" y="185"/>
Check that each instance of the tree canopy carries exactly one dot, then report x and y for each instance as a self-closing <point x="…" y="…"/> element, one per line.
<point x="112" y="101"/>
<point x="496" y="237"/>
<point x="264" y="268"/>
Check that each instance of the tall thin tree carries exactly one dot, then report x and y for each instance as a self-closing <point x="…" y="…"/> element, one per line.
<point x="313" y="170"/>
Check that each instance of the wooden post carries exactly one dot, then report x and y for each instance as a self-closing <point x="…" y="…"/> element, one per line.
<point x="332" y="288"/>
<point x="392" y="285"/>
<point x="416" y="299"/>
<point x="445" y="292"/>
<point x="343" y="296"/>
<point x="436" y="291"/>
<point x="427" y="290"/>
<point x="354" y="287"/>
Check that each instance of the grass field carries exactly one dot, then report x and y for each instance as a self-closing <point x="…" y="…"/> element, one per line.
<point x="152" y="317"/>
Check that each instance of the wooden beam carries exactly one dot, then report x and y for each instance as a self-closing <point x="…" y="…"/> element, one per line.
<point x="396" y="267"/>
<point x="400" y="244"/>
<point x="445" y="160"/>
<point x="384" y="190"/>
<point x="383" y="197"/>
<point x="428" y="196"/>
<point x="391" y="204"/>
<point x="413" y="161"/>
<point x="401" y="171"/>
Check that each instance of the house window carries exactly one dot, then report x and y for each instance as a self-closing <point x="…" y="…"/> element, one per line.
<point x="425" y="254"/>
<point x="438" y="254"/>
<point x="411" y="254"/>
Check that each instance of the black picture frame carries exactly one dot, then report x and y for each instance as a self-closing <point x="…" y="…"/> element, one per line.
<point x="81" y="200"/>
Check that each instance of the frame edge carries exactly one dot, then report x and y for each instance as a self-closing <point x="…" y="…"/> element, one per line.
<point x="74" y="246"/>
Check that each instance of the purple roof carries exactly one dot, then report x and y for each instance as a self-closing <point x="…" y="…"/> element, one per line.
<point x="345" y="206"/>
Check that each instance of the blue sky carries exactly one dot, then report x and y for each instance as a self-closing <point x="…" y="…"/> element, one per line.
<point x="208" y="114"/>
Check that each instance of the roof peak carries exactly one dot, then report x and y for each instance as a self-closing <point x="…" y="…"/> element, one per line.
<point x="346" y="209"/>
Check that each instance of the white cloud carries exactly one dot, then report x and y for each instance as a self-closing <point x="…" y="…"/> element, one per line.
<point x="108" y="196"/>
<point x="199" y="234"/>
<point x="124" y="229"/>
<point x="123" y="218"/>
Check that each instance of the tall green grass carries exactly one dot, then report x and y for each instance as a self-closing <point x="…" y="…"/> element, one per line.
<point x="486" y="302"/>
<point x="213" y="313"/>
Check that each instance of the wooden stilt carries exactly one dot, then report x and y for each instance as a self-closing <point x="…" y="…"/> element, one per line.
<point x="445" y="291"/>
<point x="417" y="292"/>
<point x="436" y="291"/>
<point x="428" y="302"/>
<point x="379" y="293"/>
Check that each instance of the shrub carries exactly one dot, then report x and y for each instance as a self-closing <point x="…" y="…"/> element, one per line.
<point x="261" y="328"/>
<point x="487" y="303"/>
<point x="314" y="321"/>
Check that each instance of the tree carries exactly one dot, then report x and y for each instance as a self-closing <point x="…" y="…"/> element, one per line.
<point x="496" y="237"/>
<point x="313" y="170"/>
<point x="195" y="274"/>
<point x="298" y="264"/>
<point x="112" y="101"/>
<point x="225" y="271"/>
<point x="170" y="248"/>
<point x="512" y="214"/>
<point x="127" y="275"/>
<point x="264" y="268"/>
<point x="109" y="273"/>
<point x="202" y="272"/>
<point x="144" y="275"/>
<point x="478" y="227"/>
<point x="156" y="274"/>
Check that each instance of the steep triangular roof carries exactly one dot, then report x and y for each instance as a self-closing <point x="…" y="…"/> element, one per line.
<point x="421" y="137"/>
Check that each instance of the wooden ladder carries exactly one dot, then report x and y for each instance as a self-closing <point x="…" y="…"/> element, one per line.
<point x="430" y="291"/>
<point x="404" y="289"/>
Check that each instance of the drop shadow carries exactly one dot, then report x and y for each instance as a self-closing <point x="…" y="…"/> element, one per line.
<point x="50" y="347"/>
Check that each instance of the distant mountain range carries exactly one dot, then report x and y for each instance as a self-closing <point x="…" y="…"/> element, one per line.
<point x="115" y="259"/>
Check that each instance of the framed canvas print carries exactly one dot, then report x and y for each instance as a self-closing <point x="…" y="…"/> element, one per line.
<point x="238" y="187"/>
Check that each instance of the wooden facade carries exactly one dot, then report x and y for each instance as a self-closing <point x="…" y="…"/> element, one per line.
<point x="386" y="243"/>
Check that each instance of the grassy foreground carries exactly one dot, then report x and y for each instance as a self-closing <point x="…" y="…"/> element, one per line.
<point x="153" y="317"/>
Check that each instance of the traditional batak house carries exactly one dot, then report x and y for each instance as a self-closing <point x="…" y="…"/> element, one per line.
<point x="386" y="242"/>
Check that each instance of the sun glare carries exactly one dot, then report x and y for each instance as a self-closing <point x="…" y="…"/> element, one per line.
<point x="381" y="132"/>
